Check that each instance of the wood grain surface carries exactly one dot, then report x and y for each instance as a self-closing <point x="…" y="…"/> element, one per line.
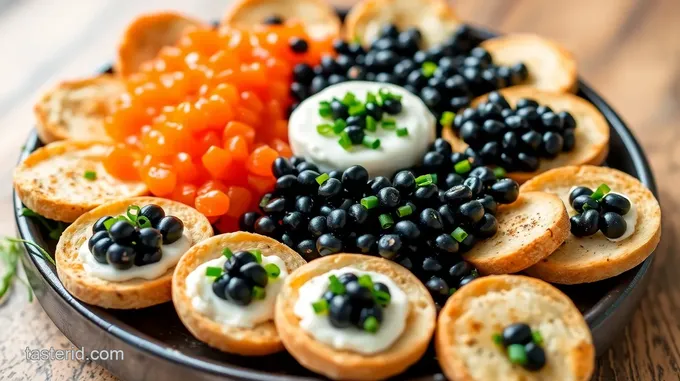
<point x="627" y="50"/>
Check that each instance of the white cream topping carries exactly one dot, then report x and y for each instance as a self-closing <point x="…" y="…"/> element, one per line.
<point x="352" y="338"/>
<point x="630" y="217"/>
<point x="395" y="152"/>
<point x="204" y="300"/>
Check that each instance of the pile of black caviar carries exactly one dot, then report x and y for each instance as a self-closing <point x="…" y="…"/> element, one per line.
<point x="514" y="138"/>
<point x="446" y="77"/>
<point x="522" y="346"/>
<point x="598" y="211"/>
<point x="135" y="238"/>
<point x="407" y="218"/>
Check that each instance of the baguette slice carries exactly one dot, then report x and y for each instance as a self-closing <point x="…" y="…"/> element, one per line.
<point x="146" y="35"/>
<point x="551" y="67"/>
<point x="593" y="258"/>
<point x="320" y="19"/>
<point x="76" y="109"/>
<point x="530" y="229"/>
<point x="591" y="133"/>
<point x="134" y="293"/>
<point x="467" y="352"/>
<point x="435" y="19"/>
<point x="339" y="364"/>
<point x="51" y="181"/>
<point x="259" y="340"/>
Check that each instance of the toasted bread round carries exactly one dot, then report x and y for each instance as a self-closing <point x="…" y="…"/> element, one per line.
<point x="76" y="109"/>
<point x="551" y="67"/>
<point x="591" y="133"/>
<point x="435" y="19"/>
<point x="134" y="293"/>
<point x="51" y="181"/>
<point x="340" y="364"/>
<point x="529" y="230"/>
<point x="259" y="340"/>
<point x="467" y="352"/>
<point x="593" y="258"/>
<point x="319" y="17"/>
<point x="146" y="35"/>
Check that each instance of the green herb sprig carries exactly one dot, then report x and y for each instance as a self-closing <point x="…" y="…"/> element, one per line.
<point x="54" y="228"/>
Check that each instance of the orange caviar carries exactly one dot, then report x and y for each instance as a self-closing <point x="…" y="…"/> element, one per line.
<point x="203" y="121"/>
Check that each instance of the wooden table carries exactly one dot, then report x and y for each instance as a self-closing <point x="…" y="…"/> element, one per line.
<point x="626" y="49"/>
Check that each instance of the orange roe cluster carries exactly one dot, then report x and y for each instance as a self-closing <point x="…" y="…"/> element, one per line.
<point x="203" y="122"/>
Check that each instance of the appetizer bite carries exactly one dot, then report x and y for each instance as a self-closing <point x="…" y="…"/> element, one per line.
<point x="615" y="224"/>
<point x="122" y="254"/>
<point x="224" y="290"/>
<point x="77" y="109"/>
<point x="511" y="327"/>
<point x="357" y="317"/>
<point x="65" y="179"/>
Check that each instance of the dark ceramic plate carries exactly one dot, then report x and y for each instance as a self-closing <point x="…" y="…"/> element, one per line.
<point x="157" y="346"/>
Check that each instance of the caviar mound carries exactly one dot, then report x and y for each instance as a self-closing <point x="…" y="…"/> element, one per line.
<point x="551" y="67"/>
<point x="593" y="258"/>
<point x="131" y="294"/>
<point x="76" y="109"/>
<point x="65" y="179"/>
<point x="434" y="18"/>
<point x="591" y="135"/>
<point x="464" y="340"/>
<point x="262" y="339"/>
<point x="146" y="35"/>
<point x="530" y="229"/>
<point x="335" y="364"/>
<point x="318" y="17"/>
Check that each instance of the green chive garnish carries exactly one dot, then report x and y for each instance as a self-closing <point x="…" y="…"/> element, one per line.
<point x="462" y="167"/>
<point x="357" y="109"/>
<point x="537" y="338"/>
<point x="345" y="142"/>
<point x="213" y="271"/>
<point x="90" y="175"/>
<point x="517" y="354"/>
<point x="452" y="290"/>
<point x="273" y="271"/>
<point x="258" y="254"/>
<point x="320" y="306"/>
<point x="401" y="132"/>
<point x="602" y="190"/>
<point x="370" y="142"/>
<point x="265" y="200"/>
<point x="429" y="68"/>
<point x="325" y="129"/>
<point x="365" y="281"/>
<point x="381" y="297"/>
<point x="459" y="234"/>
<point x="425" y="180"/>
<point x="259" y="293"/>
<point x="227" y="252"/>
<point x="447" y="118"/>
<point x="386" y="221"/>
<point x="371" y="123"/>
<point x="143" y="222"/>
<point x="499" y="172"/>
<point x="369" y="202"/>
<point x="339" y="125"/>
<point x="335" y="285"/>
<point x="404" y="211"/>
<point x="497" y="338"/>
<point x="388" y="124"/>
<point x="371" y="324"/>
<point x="325" y="109"/>
<point x="322" y="178"/>
<point x="133" y="212"/>
<point x="349" y="99"/>
<point x="109" y="223"/>
<point x="370" y="97"/>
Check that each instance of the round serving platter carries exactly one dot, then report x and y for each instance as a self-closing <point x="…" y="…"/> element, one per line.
<point x="156" y="345"/>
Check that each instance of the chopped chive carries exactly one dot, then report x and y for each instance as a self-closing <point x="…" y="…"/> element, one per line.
<point x="370" y="142"/>
<point x="339" y="125"/>
<point x="259" y="293"/>
<point x="371" y="324"/>
<point x="517" y="354"/>
<point x="452" y="290"/>
<point x="401" y="132"/>
<point x="357" y="109"/>
<point x="265" y="200"/>
<point x="537" y="338"/>
<point x="109" y="223"/>
<point x="273" y="271"/>
<point x="335" y="285"/>
<point x="428" y="68"/>
<point x="386" y="221"/>
<point x="325" y="109"/>
<point x="381" y="297"/>
<point x="90" y="175"/>
<point x="365" y="281"/>
<point x="133" y="212"/>
<point x="320" y="306"/>
<point x="143" y="222"/>
<point x="499" y="172"/>
<point x="227" y="252"/>
<point x="459" y="234"/>
<point x="388" y="124"/>
<point x="474" y="273"/>
<point x="462" y="167"/>
<point x="404" y="211"/>
<point x="497" y="338"/>
<point x="258" y="254"/>
<point x="322" y="178"/>
<point x="344" y="141"/>
<point x="424" y="180"/>
<point x="325" y="129"/>
<point x="370" y="97"/>
<point x="349" y="99"/>
<point x="447" y="118"/>
<point x="602" y="190"/>
<point x="371" y="123"/>
<point x="213" y="271"/>
<point x="369" y="202"/>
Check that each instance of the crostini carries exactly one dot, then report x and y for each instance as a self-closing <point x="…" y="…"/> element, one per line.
<point x="122" y="254"/>
<point x="225" y="288"/>
<point x="350" y="316"/>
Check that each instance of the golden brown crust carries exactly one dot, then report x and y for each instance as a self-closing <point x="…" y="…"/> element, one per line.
<point x="593" y="258"/>
<point x="467" y="352"/>
<point x="435" y="19"/>
<point x="591" y="133"/>
<point x="551" y="67"/>
<point x="530" y="229"/>
<point x="51" y="181"/>
<point x="76" y="109"/>
<point x="319" y="18"/>
<point x="134" y="293"/>
<point x="260" y="340"/>
<point x="337" y="364"/>
<point x="146" y="35"/>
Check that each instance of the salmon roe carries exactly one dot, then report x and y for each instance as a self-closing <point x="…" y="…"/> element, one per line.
<point x="203" y="121"/>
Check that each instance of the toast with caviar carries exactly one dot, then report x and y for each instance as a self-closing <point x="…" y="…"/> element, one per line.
<point x="318" y="17"/>
<point x="77" y="109"/>
<point x="592" y="258"/>
<point x="65" y="179"/>
<point x="147" y="35"/>
<point x="260" y="339"/>
<point x="511" y="327"/>
<point x="345" y="364"/>
<point x="529" y="229"/>
<point x="590" y="134"/>
<point x="134" y="293"/>
<point x="551" y="67"/>
<point x="435" y="19"/>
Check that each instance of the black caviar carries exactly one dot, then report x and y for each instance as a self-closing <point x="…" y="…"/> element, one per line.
<point x="243" y="278"/>
<point x="523" y="346"/>
<point x="598" y="211"/>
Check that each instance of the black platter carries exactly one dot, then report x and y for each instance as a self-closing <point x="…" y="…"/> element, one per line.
<point x="157" y="346"/>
